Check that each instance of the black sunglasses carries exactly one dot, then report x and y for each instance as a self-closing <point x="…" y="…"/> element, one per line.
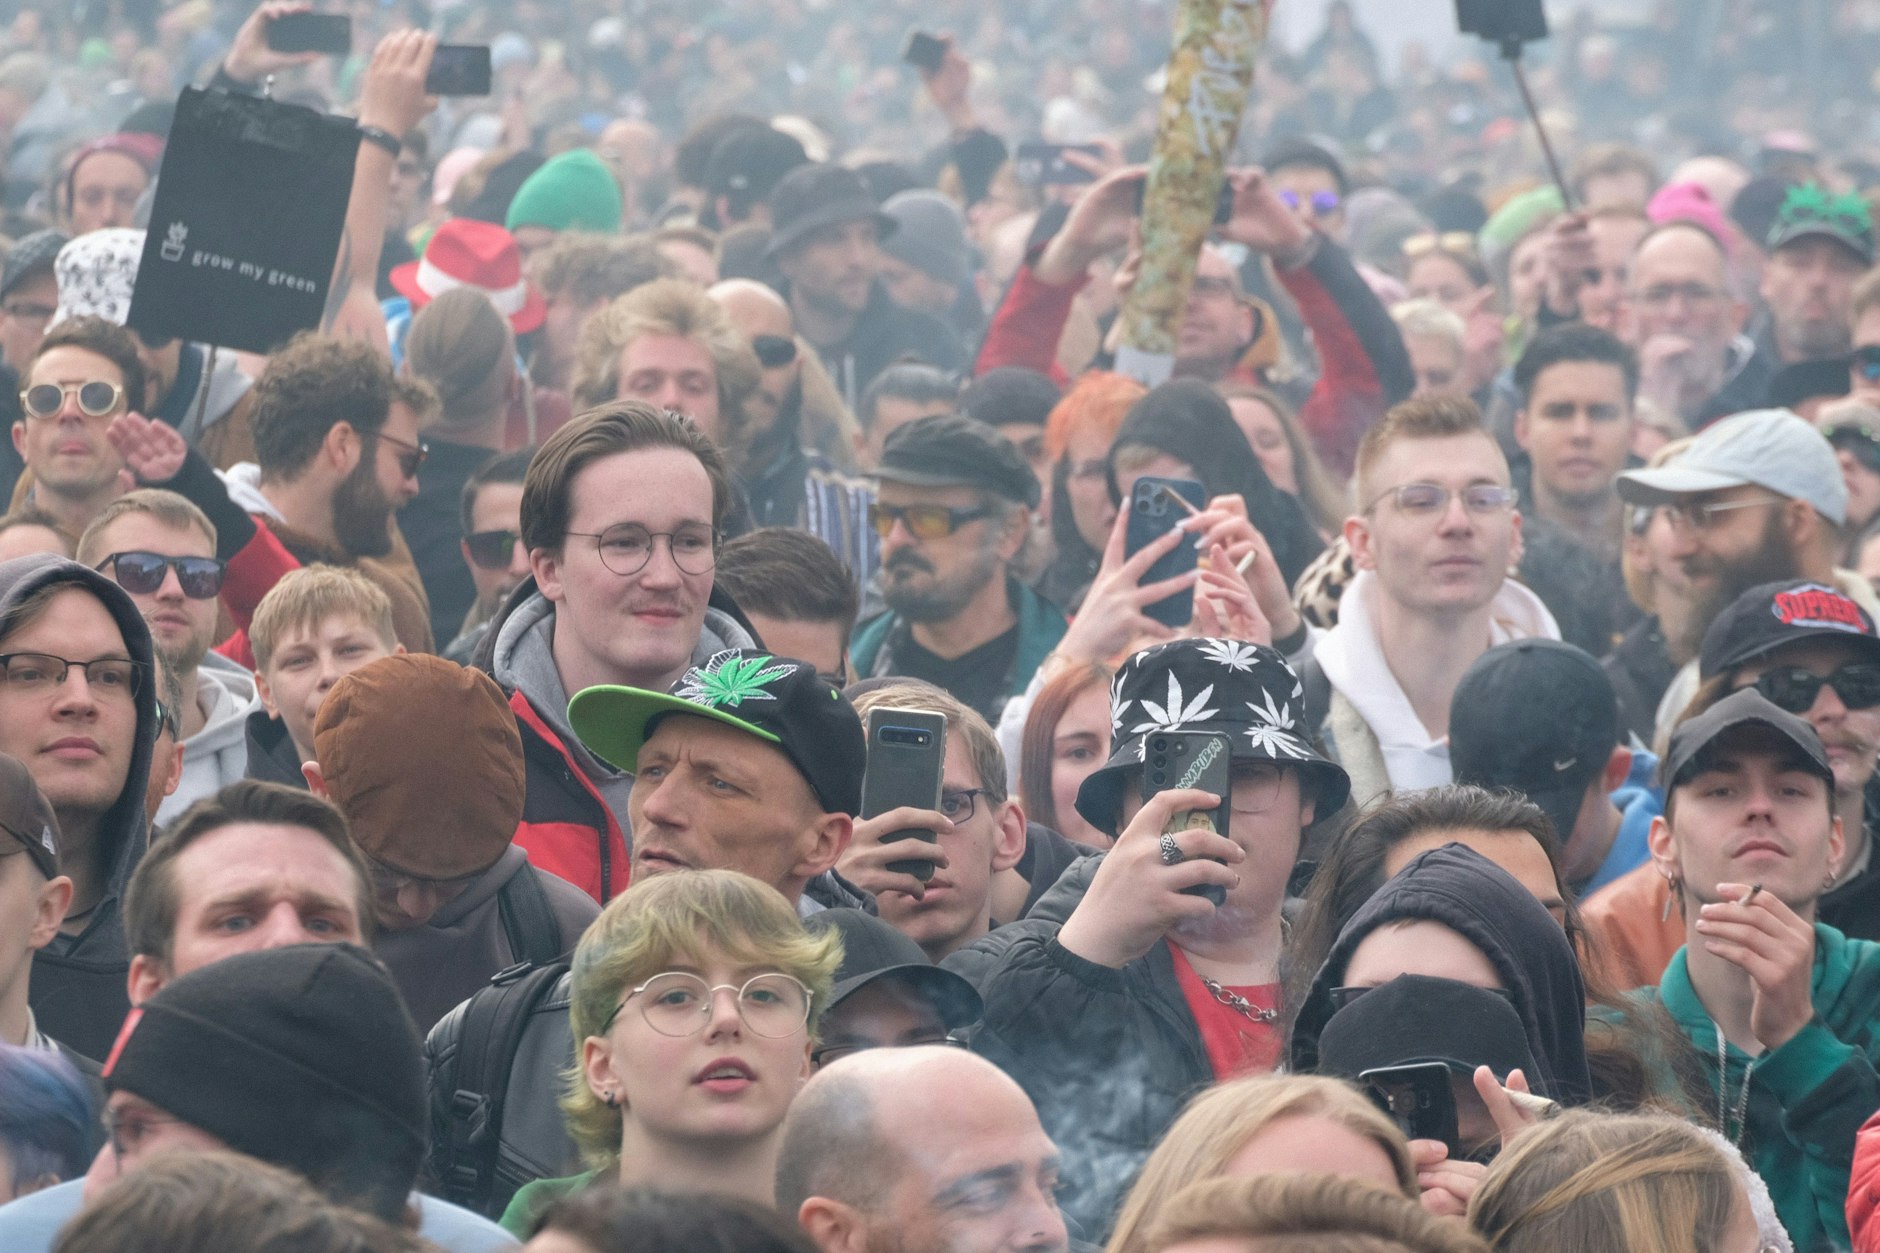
<point x="1859" y="440"/>
<point x="773" y="351"/>
<point x="1792" y="688"/>
<point x="491" y="550"/>
<point x="410" y="456"/>
<point x="142" y="573"/>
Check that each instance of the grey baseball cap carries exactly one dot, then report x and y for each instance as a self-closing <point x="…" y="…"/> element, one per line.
<point x="1771" y="448"/>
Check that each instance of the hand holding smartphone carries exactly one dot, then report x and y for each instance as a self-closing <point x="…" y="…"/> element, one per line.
<point x="1190" y="759"/>
<point x="1418" y="1099"/>
<point x="1155" y="507"/>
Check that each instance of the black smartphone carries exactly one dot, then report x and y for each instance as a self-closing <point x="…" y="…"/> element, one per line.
<point x="907" y="755"/>
<point x="925" y="52"/>
<point x="459" y="70"/>
<point x="1155" y="506"/>
<point x="330" y="33"/>
<point x="1418" y="1099"/>
<point x="1185" y="759"/>
<point x="1223" y="204"/>
<point x="1043" y="165"/>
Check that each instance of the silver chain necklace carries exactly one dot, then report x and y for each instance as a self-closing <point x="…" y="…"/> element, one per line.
<point x="1723" y="1086"/>
<point x="1238" y="1003"/>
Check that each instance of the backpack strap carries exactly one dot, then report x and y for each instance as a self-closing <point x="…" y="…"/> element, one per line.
<point x="528" y="923"/>
<point x="491" y="1031"/>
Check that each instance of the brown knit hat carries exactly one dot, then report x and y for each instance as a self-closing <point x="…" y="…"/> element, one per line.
<point x="423" y="757"/>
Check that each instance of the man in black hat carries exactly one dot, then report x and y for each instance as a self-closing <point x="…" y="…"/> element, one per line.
<point x="1783" y="1006"/>
<point x="1540" y="717"/>
<point x="745" y="167"/>
<point x="1812" y="651"/>
<point x="953" y="511"/>
<point x="751" y="762"/>
<point x="827" y="244"/>
<point x="1121" y="980"/>
<point x="303" y="1057"/>
<point x="888" y="995"/>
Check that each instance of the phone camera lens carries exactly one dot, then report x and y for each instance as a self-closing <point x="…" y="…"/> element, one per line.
<point x="1160" y="776"/>
<point x="1159" y="745"/>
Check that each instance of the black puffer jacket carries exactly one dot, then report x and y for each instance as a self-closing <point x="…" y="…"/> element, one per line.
<point x="1109" y="1056"/>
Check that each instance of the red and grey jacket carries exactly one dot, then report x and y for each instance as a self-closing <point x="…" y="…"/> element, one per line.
<point x="1364" y="368"/>
<point x="566" y="828"/>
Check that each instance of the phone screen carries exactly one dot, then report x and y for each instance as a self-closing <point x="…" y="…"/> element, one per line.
<point x="330" y="33"/>
<point x="925" y="52"/>
<point x="459" y="70"/>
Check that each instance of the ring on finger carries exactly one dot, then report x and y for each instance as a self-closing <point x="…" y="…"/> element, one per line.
<point x="1172" y="854"/>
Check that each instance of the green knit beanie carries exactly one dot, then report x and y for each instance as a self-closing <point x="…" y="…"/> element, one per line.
<point x="571" y="192"/>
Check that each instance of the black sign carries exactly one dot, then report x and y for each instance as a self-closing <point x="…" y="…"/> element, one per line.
<point x="246" y="222"/>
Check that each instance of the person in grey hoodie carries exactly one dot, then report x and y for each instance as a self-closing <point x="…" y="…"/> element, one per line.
<point x="622" y="511"/>
<point x="79" y="707"/>
<point x="423" y="757"/>
<point x="161" y="550"/>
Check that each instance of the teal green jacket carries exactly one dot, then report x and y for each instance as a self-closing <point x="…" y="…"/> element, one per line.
<point x="532" y="1200"/>
<point x="1809" y="1097"/>
<point x="1040" y="627"/>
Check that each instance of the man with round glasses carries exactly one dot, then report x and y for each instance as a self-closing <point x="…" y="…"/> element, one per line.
<point x="621" y="511"/>
<point x="78" y="708"/>
<point x="953" y="513"/>
<point x="85" y="373"/>
<point x="161" y="549"/>
<point x="1433" y="540"/>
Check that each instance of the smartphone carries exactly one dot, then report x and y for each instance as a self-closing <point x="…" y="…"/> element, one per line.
<point x="1184" y="759"/>
<point x="1153" y="510"/>
<point x="459" y="70"/>
<point x="1418" y="1099"/>
<point x="1223" y="204"/>
<point x="330" y="33"/>
<point x="925" y="52"/>
<point x="907" y="754"/>
<point x="1043" y="165"/>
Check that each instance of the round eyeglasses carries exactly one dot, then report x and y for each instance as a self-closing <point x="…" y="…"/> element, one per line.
<point x="680" y="1004"/>
<point x="628" y="546"/>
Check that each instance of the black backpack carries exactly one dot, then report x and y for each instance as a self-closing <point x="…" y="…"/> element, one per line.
<point x="468" y="1084"/>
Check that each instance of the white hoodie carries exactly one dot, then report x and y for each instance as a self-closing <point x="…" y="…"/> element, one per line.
<point x="217" y="755"/>
<point x="1352" y="657"/>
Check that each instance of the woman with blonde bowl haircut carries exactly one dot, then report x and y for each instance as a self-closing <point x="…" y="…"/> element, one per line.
<point x="1644" y="1183"/>
<point x="1299" y="1213"/>
<point x="694" y="1001"/>
<point x="1254" y="1126"/>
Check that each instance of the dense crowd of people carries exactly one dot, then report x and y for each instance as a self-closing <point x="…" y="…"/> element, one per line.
<point x="1406" y="782"/>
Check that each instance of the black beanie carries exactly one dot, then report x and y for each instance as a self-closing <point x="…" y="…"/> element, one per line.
<point x="259" y="1049"/>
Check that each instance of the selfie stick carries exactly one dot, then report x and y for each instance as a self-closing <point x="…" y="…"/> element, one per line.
<point x="1512" y="51"/>
<point x="1511" y="24"/>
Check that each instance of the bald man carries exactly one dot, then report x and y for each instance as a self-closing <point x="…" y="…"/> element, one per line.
<point x="762" y="317"/>
<point x="919" y="1150"/>
<point x="795" y="419"/>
